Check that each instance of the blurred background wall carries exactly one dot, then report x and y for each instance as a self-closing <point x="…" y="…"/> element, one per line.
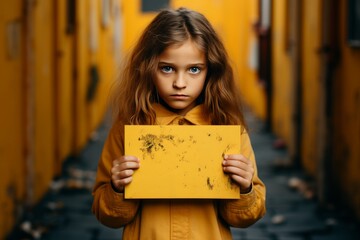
<point x="58" y="59"/>
<point x="297" y="64"/>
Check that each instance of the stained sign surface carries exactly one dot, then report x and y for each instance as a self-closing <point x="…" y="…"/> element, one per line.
<point x="181" y="161"/>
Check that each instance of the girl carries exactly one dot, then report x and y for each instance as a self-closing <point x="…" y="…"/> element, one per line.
<point x="178" y="73"/>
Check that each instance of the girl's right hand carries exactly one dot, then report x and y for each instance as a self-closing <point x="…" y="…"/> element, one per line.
<point x="122" y="171"/>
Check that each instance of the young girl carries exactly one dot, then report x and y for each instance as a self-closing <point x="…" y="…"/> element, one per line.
<point x="178" y="73"/>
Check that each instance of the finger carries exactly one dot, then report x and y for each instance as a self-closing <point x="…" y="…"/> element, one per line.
<point x="122" y="174"/>
<point x="124" y="166"/>
<point x="122" y="182"/>
<point x="240" y="169"/>
<point x="238" y="157"/>
<point x="239" y="172"/>
<point x="125" y="159"/>
<point x="129" y="158"/>
<point x="237" y="163"/>
<point x="242" y="182"/>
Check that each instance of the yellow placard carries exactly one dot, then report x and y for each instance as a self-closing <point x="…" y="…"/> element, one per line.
<point x="181" y="161"/>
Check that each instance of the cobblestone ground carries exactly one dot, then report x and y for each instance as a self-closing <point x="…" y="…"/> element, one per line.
<point x="292" y="212"/>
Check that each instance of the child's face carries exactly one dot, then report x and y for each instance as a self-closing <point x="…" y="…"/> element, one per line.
<point x="180" y="76"/>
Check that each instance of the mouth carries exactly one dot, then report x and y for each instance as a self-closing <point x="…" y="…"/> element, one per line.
<point x="179" y="96"/>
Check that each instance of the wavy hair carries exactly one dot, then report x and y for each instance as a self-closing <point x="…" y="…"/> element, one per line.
<point x="135" y="91"/>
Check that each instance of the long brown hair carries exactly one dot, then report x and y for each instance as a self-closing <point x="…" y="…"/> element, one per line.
<point x="135" y="91"/>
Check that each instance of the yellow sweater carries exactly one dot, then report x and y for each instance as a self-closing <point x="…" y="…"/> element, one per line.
<point x="167" y="219"/>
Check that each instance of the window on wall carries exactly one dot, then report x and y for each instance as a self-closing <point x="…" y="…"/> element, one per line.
<point x="153" y="5"/>
<point x="354" y="23"/>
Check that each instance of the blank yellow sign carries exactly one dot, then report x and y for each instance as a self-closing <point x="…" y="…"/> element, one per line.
<point x="181" y="161"/>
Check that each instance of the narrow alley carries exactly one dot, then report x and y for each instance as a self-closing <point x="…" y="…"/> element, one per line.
<point x="294" y="63"/>
<point x="292" y="212"/>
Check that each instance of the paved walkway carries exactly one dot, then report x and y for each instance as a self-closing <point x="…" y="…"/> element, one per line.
<point x="292" y="214"/>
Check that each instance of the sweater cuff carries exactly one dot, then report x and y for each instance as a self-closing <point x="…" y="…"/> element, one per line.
<point x="244" y="203"/>
<point x="115" y="198"/>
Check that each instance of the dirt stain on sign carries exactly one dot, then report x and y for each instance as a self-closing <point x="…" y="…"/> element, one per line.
<point x="231" y="184"/>
<point x="153" y="142"/>
<point x="209" y="184"/>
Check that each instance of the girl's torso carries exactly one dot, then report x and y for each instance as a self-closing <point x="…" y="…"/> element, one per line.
<point x="177" y="219"/>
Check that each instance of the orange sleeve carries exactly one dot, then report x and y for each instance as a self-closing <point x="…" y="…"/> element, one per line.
<point x="110" y="207"/>
<point x="251" y="206"/>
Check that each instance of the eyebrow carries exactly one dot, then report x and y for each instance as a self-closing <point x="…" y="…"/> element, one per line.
<point x="190" y="64"/>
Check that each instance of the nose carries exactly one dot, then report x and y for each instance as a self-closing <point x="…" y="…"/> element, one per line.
<point x="179" y="81"/>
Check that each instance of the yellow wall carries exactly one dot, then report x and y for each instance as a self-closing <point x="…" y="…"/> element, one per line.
<point x="99" y="54"/>
<point x="45" y="115"/>
<point x="346" y="139"/>
<point x="311" y="82"/>
<point x="134" y="22"/>
<point x="284" y="78"/>
<point x="93" y="50"/>
<point x="345" y="130"/>
<point x="106" y="63"/>
<point x="64" y="97"/>
<point x="11" y="123"/>
<point x="283" y="82"/>
<point x="81" y="76"/>
<point x="241" y="41"/>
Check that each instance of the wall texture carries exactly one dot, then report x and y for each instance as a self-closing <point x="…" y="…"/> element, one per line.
<point x="58" y="62"/>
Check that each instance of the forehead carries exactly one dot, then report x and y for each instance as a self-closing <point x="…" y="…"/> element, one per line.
<point x="187" y="52"/>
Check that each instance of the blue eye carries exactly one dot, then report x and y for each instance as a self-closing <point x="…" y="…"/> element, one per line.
<point x="194" y="70"/>
<point x="166" y="69"/>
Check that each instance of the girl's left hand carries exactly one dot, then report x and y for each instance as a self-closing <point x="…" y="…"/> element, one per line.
<point x="240" y="169"/>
